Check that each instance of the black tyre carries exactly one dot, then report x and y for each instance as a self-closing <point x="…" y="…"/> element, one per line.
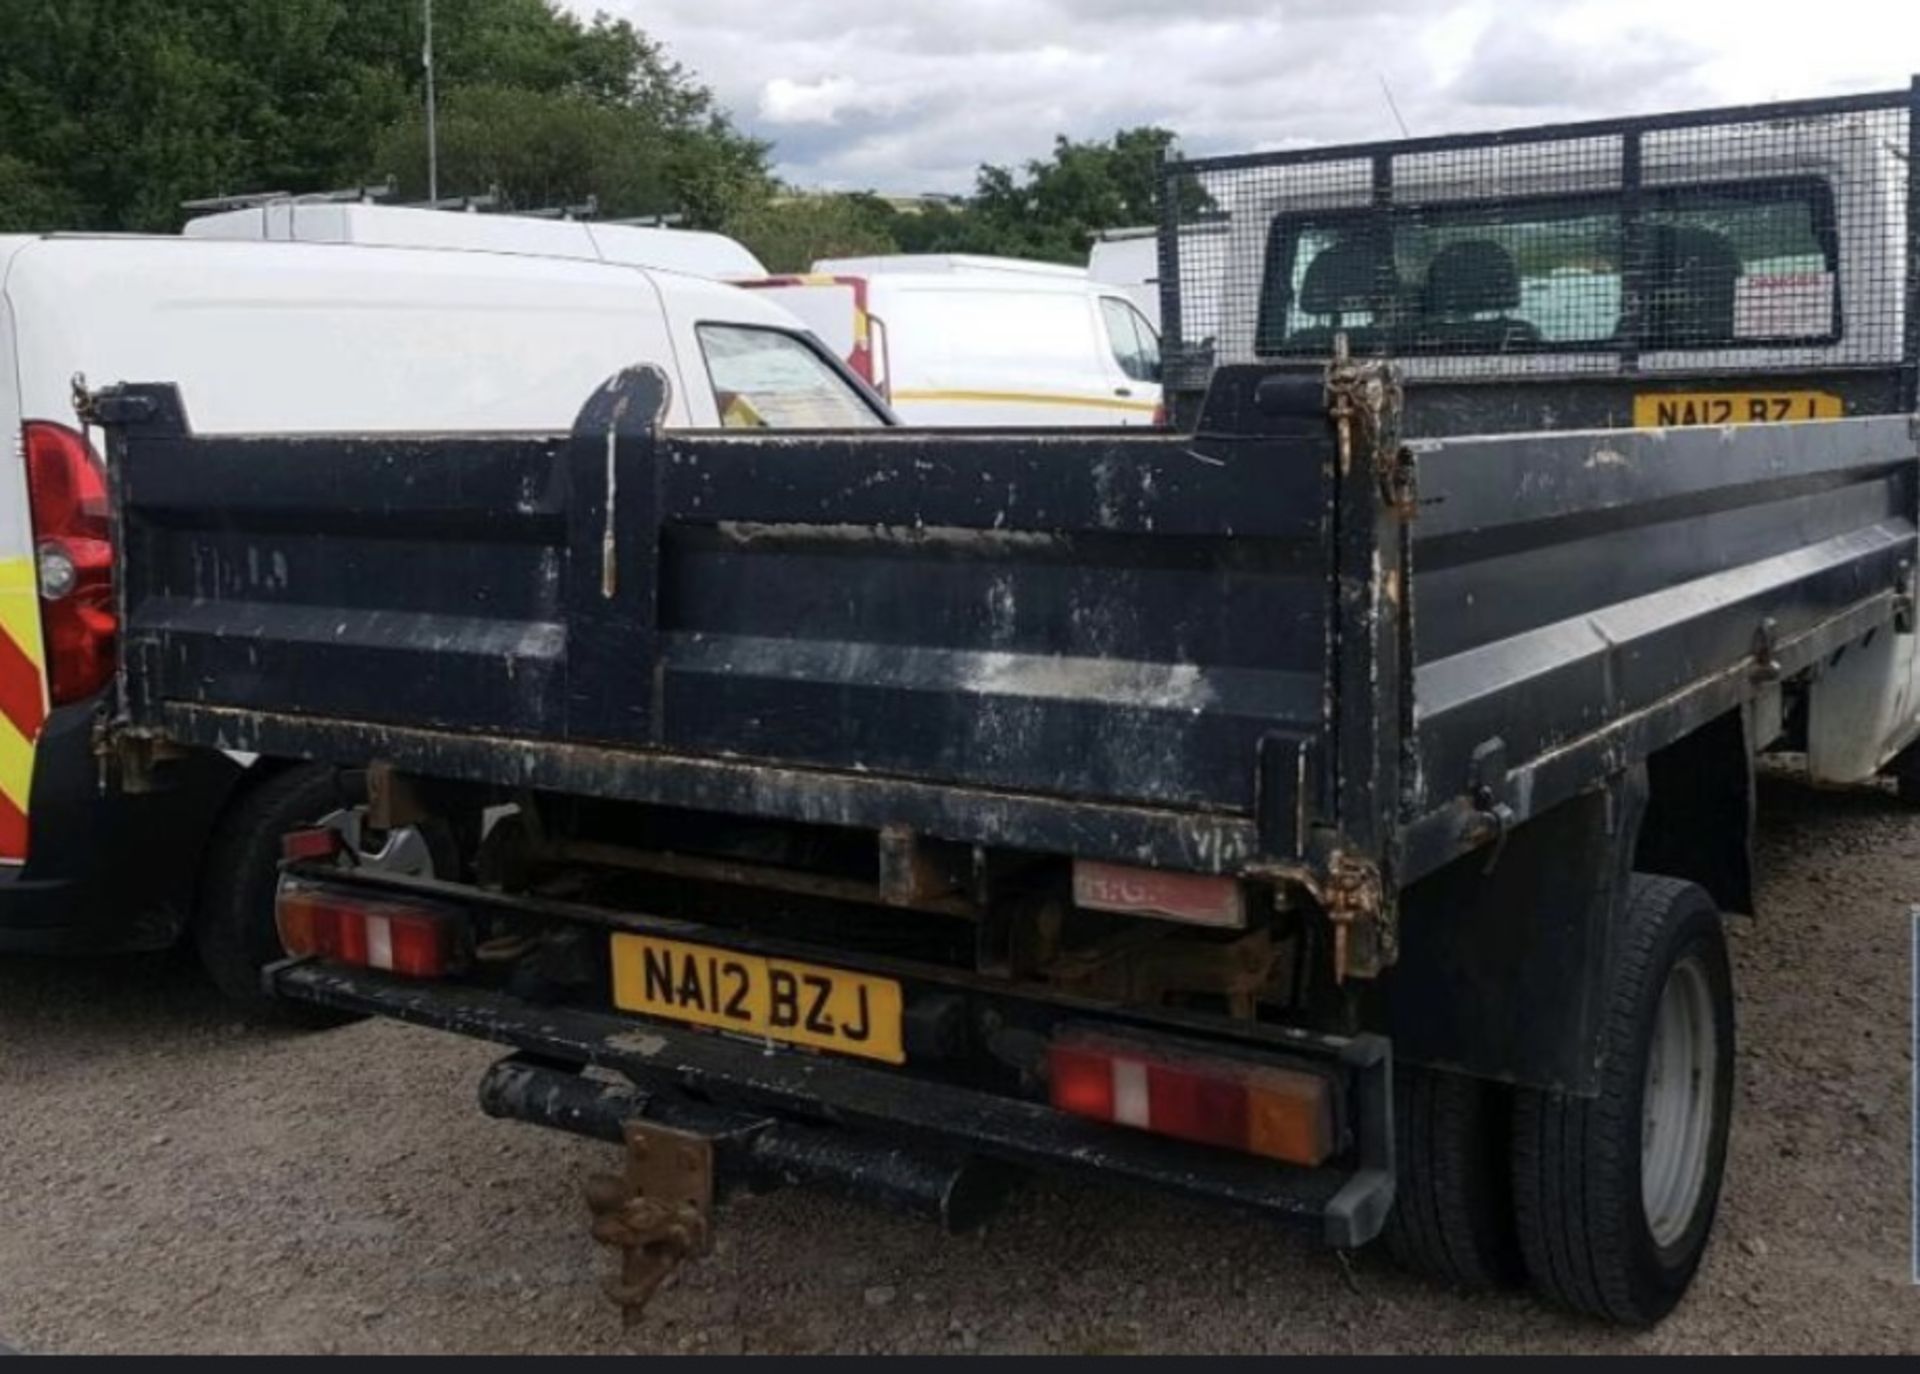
<point x="233" y="926"/>
<point x="1452" y="1217"/>
<point x="1615" y="1196"/>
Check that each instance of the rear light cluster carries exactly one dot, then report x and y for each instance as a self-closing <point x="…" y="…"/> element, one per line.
<point x="417" y="939"/>
<point x="73" y="547"/>
<point x="1259" y="1109"/>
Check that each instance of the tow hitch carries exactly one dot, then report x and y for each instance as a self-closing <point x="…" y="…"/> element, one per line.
<point x="658" y="1214"/>
<point x="685" y="1157"/>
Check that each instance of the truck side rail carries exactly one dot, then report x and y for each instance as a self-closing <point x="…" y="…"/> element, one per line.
<point x="1583" y="599"/>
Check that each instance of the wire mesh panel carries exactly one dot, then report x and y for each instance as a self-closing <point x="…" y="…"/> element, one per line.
<point x="1761" y="238"/>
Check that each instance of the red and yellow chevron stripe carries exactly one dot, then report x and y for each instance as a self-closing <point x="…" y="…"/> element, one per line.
<point x="23" y="700"/>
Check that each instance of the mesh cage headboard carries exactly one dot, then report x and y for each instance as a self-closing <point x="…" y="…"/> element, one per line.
<point x="1760" y="238"/>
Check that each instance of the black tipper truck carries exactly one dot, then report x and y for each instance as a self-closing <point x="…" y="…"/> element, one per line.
<point x="1324" y="806"/>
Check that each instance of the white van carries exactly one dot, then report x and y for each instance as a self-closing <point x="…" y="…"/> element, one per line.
<point x="693" y="251"/>
<point x="266" y="337"/>
<point x="959" y="341"/>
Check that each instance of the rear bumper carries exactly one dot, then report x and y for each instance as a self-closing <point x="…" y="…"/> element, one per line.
<point x="106" y="871"/>
<point x="1347" y="1205"/>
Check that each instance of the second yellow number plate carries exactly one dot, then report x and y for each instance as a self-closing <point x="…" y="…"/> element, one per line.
<point x="1656" y="408"/>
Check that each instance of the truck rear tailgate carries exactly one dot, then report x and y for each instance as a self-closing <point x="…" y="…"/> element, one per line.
<point x="1136" y="623"/>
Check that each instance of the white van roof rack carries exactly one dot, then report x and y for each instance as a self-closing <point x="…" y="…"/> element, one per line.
<point x="696" y="252"/>
<point x="372" y="193"/>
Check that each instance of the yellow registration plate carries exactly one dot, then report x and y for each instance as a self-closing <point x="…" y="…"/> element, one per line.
<point x="1733" y="407"/>
<point x="802" y="1004"/>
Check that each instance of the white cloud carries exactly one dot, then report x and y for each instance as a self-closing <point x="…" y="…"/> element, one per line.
<point x="814" y="102"/>
<point x="905" y="95"/>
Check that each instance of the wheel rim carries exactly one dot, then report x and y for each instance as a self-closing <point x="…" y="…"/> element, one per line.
<point x="1677" y="1106"/>
<point x="403" y="853"/>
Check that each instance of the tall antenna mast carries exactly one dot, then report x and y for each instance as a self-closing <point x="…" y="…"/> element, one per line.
<point x="1392" y="104"/>
<point x="433" y="122"/>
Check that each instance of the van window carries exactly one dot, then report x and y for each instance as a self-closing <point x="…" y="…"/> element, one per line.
<point x="766" y="379"/>
<point x="1719" y="266"/>
<point x="1135" y="346"/>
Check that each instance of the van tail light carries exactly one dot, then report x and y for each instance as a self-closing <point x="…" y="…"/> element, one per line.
<point x="321" y="842"/>
<point x="73" y="550"/>
<point x="1161" y="417"/>
<point x="1259" y="1109"/>
<point x="416" y="939"/>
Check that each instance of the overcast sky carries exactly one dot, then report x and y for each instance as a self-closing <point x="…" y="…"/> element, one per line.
<point x="912" y="95"/>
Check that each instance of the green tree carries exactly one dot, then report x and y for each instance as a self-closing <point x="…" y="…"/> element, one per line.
<point x="1061" y="202"/>
<point x="791" y="234"/>
<point x="116" y="110"/>
<point x="1050" y="209"/>
<point x="551" y="111"/>
<point x="30" y="199"/>
<point x="133" y="105"/>
<point x="559" y="148"/>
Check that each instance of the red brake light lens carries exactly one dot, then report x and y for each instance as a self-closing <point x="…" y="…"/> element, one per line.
<point x="322" y="842"/>
<point x="73" y="547"/>
<point x="1082" y="1082"/>
<point x="1260" y="1109"/>
<point x="415" y="939"/>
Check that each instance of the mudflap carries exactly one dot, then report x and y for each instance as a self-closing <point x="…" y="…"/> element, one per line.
<point x="1503" y="958"/>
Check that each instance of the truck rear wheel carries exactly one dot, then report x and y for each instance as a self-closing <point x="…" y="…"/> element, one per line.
<point x="1452" y="1217"/>
<point x="1615" y="1195"/>
<point x="233" y="925"/>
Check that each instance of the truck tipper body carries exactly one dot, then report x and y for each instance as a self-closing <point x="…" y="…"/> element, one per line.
<point x="1321" y="807"/>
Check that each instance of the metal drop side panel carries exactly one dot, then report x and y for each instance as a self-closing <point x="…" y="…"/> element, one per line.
<point x="1129" y="621"/>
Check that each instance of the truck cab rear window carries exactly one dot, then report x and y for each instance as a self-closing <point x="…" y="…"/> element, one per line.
<point x="766" y="379"/>
<point x="1716" y="266"/>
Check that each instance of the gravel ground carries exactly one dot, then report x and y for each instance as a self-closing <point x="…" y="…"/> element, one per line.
<point x="173" y="1182"/>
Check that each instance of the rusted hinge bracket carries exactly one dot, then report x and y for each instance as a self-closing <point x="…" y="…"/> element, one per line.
<point x="1365" y="401"/>
<point x="108" y="406"/>
<point x="1366" y="940"/>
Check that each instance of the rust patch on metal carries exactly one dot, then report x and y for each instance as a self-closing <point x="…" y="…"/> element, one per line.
<point x="918" y="873"/>
<point x="929" y="893"/>
<point x="658" y="1214"/>
<point x="393" y="798"/>
<point x="1354" y="894"/>
<point x="1142" y="967"/>
<point x="1365" y="401"/>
